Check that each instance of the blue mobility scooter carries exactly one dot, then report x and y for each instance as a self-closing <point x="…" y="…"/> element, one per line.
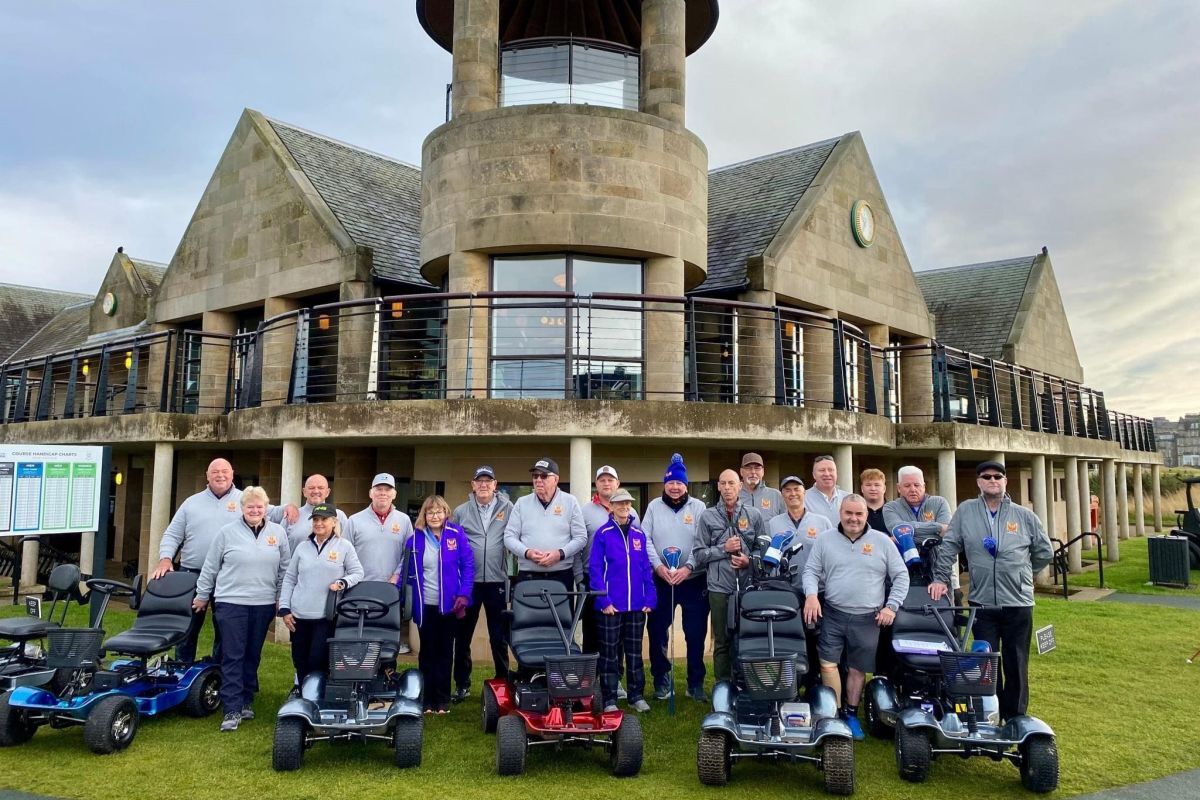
<point x="362" y="696"/>
<point x="941" y="697"/>
<point x="108" y="701"/>
<point x="761" y="713"/>
<point x="23" y="663"/>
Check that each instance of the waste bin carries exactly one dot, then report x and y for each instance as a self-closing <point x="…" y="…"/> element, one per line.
<point x="1169" y="561"/>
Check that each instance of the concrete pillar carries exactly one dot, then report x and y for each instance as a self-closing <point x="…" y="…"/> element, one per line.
<point x="120" y="465"/>
<point x="1108" y="509"/>
<point x="87" y="552"/>
<point x="664" y="331"/>
<point x="948" y="478"/>
<point x="160" y="505"/>
<point x="355" y="335"/>
<point x="818" y="362"/>
<point x="1074" y="524"/>
<point x="278" y="347"/>
<point x="843" y="456"/>
<point x="916" y="382"/>
<point x="1156" y="496"/>
<point x="467" y="326"/>
<point x="999" y="457"/>
<point x="29" y="561"/>
<point x="581" y="469"/>
<point x="214" y="361"/>
<point x="756" y="333"/>
<point x="1085" y="504"/>
<point x="1122" y="501"/>
<point x="664" y="54"/>
<point x="1139" y="502"/>
<point x="1038" y="481"/>
<point x="157" y="361"/>
<point x="476" y="57"/>
<point x="291" y="477"/>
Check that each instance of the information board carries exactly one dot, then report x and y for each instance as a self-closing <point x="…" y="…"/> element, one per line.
<point x="49" y="489"/>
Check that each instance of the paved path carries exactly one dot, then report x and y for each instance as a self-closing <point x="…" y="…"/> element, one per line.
<point x="1180" y="786"/>
<point x="1172" y="600"/>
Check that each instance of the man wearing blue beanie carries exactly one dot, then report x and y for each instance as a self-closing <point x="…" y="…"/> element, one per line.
<point x="670" y="522"/>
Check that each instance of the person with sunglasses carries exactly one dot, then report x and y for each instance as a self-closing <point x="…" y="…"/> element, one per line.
<point x="1005" y="545"/>
<point x="545" y="530"/>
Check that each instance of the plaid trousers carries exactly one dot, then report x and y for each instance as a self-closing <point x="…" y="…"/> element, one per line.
<point x="617" y="631"/>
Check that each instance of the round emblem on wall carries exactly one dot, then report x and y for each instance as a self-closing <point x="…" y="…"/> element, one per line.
<point x="109" y="304"/>
<point x="862" y="223"/>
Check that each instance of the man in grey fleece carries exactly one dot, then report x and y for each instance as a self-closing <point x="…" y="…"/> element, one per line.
<point x="1005" y="545"/>
<point x="545" y="530"/>
<point x="723" y="538"/>
<point x="927" y="513"/>
<point x="378" y="534"/>
<point x="316" y="492"/>
<point x="853" y="563"/>
<point x="755" y="493"/>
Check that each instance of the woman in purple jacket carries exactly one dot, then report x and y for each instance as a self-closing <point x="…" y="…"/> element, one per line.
<point x="438" y="565"/>
<point x="619" y="567"/>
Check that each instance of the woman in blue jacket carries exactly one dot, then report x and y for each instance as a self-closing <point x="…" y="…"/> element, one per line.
<point x="438" y="565"/>
<point x="619" y="567"/>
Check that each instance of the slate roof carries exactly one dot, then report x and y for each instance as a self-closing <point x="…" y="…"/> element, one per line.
<point x="974" y="305"/>
<point x="748" y="203"/>
<point x="150" y="273"/>
<point x="67" y="330"/>
<point x="24" y="309"/>
<point x="377" y="199"/>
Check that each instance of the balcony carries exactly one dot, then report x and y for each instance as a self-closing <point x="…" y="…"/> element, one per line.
<point x="556" y="345"/>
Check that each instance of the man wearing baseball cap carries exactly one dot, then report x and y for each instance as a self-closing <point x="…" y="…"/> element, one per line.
<point x="1005" y="545"/>
<point x="545" y="530"/>
<point x="483" y="517"/>
<point x="378" y="534"/>
<point x="756" y="494"/>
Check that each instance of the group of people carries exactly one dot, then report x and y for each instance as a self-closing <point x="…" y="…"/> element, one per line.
<point x="256" y="561"/>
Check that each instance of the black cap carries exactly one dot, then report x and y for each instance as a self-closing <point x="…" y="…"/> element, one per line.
<point x="986" y="465"/>
<point x="326" y="509"/>
<point x="546" y="465"/>
<point x="484" y="472"/>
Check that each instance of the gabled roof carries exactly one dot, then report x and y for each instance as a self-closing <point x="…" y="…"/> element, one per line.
<point x="975" y="305"/>
<point x="747" y="204"/>
<point x="150" y="273"/>
<point x="25" y="309"/>
<point x="67" y="330"/>
<point x="377" y="199"/>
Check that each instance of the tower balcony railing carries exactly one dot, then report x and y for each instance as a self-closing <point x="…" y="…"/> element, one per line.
<point x="551" y="345"/>
<point x="568" y="70"/>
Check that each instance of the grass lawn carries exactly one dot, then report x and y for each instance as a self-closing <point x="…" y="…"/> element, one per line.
<point x="1115" y="691"/>
<point x="1132" y="573"/>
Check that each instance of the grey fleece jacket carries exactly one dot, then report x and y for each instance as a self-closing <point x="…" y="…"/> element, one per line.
<point x="312" y="568"/>
<point x="714" y="529"/>
<point x="927" y="520"/>
<point x="556" y="526"/>
<point x="1022" y="548"/>
<point x="244" y="569"/>
<point x="669" y="528"/>
<point x="487" y="542"/>
<point x="854" y="573"/>
<point x="764" y="500"/>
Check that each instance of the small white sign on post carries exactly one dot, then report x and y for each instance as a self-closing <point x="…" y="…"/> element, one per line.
<point x="1045" y="639"/>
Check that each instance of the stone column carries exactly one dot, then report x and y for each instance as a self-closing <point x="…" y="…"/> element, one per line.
<point x="843" y="456"/>
<point x="278" y="348"/>
<point x="214" y="361"/>
<point x="157" y="361"/>
<point x="664" y="332"/>
<point x="355" y="335"/>
<point x="1156" y="496"/>
<point x="120" y="464"/>
<point x="1108" y="509"/>
<point x="291" y="473"/>
<point x="663" y="71"/>
<point x="1122" y="501"/>
<point x="1074" y="525"/>
<point x="87" y="552"/>
<point x="1038" y="481"/>
<point x="1085" y="503"/>
<point x="476" y="57"/>
<point x="1139" y="502"/>
<point x="756" y="333"/>
<point x="818" y="361"/>
<point x="916" y="383"/>
<point x="948" y="478"/>
<point x="467" y="326"/>
<point x="29" y="561"/>
<point x="160" y="504"/>
<point x="581" y="469"/>
<point x="999" y="457"/>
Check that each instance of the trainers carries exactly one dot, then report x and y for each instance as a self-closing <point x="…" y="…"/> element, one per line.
<point x="663" y="692"/>
<point x="231" y="721"/>
<point x="247" y="712"/>
<point x="608" y="709"/>
<point x="697" y="693"/>
<point x="855" y="727"/>
<point x="640" y="705"/>
<point x="403" y="649"/>
<point x="460" y="694"/>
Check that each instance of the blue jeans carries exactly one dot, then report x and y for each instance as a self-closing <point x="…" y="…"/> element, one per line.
<point x="243" y="631"/>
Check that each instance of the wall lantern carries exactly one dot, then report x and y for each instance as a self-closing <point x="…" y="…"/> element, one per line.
<point x="118" y="479"/>
<point x="128" y="359"/>
<point x="85" y="367"/>
<point x="323" y="322"/>
<point x="397" y="309"/>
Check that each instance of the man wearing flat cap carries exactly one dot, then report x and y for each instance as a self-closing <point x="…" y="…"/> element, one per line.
<point x="755" y="493"/>
<point x="545" y="530"/>
<point x="1005" y="545"/>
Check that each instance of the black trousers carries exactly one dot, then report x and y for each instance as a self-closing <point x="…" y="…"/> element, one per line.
<point x="310" y="646"/>
<point x="1009" y="630"/>
<point x="436" y="657"/>
<point x="489" y="598"/>
<point x="186" y="650"/>
<point x="244" y="630"/>
<point x="692" y="596"/>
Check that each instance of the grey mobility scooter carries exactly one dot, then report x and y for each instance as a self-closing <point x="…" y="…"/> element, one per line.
<point x="362" y="697"/>
<point x="23" y="662"/>
<point x="941" y="698"/>
<point x="760" y="713"/>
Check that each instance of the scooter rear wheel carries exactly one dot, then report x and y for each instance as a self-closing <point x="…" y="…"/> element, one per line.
<point x="491" y="709"/>
<point x="15" y="727"/>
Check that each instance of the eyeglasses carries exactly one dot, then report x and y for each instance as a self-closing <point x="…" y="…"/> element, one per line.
<point x="991" y="477"/>
<point x="540" y="476"/>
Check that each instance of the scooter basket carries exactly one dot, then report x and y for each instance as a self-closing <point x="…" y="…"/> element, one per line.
<point x="571" y="676"/>
<point x="354" y="659"/>
<point x="970" y="674"/>
<point x="73" y="647"/>
<point x="769" y="678"/>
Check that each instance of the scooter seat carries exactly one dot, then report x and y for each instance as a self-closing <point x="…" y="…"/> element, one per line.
<point x="20" y="629"/>
<point x="144" y="641"/>
<point x="924" y="640"/>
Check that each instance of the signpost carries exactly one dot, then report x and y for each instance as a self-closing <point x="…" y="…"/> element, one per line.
<point x="1045" y="639"/>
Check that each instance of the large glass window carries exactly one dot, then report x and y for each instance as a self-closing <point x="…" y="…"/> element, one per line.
<point x="568" y="71"/>
<point x="570" y="345"/>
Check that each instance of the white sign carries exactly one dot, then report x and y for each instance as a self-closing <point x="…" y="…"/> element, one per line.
<point x="49" y="489"/>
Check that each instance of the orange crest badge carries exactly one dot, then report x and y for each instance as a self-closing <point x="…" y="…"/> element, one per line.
<point x="766" y="503"/>
<point x="231" y="506"/>
<point x="868" y="549"/>
<point x="272" y="541"/>
<point x="452" y="544"/>
<point x="1012" y="527"/>
<point x="558" y="511"/>
<point x="743" y="524"/>
<point x="688" y="519"/>
<point x="928" y="516"/>
<point x="333" y="555"/>
<point x="500" y="515"/>
<point x="395" y="527"/>
<point x="812" y="533"/>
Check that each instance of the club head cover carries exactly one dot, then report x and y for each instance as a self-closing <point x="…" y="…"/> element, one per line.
<point x="905" y="536"/>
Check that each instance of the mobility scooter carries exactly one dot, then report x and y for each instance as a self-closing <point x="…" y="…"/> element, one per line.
<point x="23" y="663"/>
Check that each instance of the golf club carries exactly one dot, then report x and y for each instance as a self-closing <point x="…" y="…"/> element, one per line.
<point x="671" y="557"/>
<point x="1194" y="656"/>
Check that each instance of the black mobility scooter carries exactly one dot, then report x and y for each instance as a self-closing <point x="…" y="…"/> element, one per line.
<point x="362" y="697"/>
<point x="23" y="662"/>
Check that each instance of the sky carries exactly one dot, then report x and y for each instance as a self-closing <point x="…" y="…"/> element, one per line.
<point x="996" y="127"/>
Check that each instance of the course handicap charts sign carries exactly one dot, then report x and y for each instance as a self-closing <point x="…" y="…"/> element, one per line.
<point x="49" y="489"/>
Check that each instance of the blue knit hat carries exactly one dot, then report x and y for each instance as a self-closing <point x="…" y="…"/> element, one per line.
<point x="676" y="471"/>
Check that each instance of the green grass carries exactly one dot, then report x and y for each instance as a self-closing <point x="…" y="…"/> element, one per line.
<point x="1132" y="573"/>
<point x="1115" y="725"/>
